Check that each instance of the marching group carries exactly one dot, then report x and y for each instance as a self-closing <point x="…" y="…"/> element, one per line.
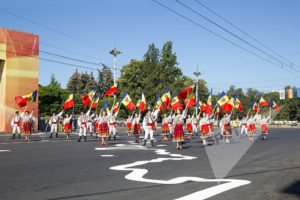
<point x="104" y="126"/>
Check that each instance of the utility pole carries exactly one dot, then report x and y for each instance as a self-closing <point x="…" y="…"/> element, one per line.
<point x="115" y="52"/>
<point x="197" y="73"/>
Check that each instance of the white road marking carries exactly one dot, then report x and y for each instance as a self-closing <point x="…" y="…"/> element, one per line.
<point x="137" y="174"/>
<point x="107" y="155"/>
<point x="5" y="150"/>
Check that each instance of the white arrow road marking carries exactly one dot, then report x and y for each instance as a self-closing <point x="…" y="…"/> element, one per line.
<point x="5" y="150"/>
<point x="137" y="174"/>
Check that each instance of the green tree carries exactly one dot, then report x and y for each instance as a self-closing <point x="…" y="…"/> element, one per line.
<point x="73" y="82"/>
<point x="53" y="81"/>
<point x="83" y="81"/>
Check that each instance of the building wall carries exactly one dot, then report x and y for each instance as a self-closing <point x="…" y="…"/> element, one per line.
<point x="19" y="73"/>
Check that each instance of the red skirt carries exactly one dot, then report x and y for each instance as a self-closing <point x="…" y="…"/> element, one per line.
<point x="251" y="128"/>
<point x="96" y="127"/>
<point x="103" y="130"/>
<point x="26" y="128"/>
<point x="227" y="130"/>
<point x="205" y="128"/>
<point x="264" y="129"/>
<point x="195" y="125"/>
<point x="178" y="135"/>
<point x="137" y="129"/>
<point x="128" y="126"/>
<point x="189" y="128"/>
<point x="165" y="129"/>
<point x="67" y="128"/>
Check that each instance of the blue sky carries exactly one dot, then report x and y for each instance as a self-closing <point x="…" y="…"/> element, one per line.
<point x="94" y="26"/>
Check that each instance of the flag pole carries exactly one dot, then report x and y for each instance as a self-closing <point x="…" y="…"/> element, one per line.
<point x="133" y="111"/>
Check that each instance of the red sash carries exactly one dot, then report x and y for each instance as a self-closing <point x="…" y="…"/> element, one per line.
<point x="113" y="124"/>
<point x="83" y="123"/>
<point x="54" y="122"/>
<point x="17" y="123"/>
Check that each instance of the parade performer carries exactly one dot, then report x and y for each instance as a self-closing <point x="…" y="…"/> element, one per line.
<point x="89" y="124"/>
<point x="171" y="127"/>
<point x="178" y="135"/>
<point x="221" y="124"/>
<point x="227" y="128"/>
<point x="26" y="125"/>
<point x="129" y="125"/>
<point x="243" y="124"/>
<point x="53" y="123"/>
<point x="251" y="127"/>
<point x="194" y="123"/>
<point x="264" y="127"/>
<point x="96" y="125"/>
<point x="148" y="127"/>
<point x="82" y="126"/>
<point x="189" y="127"/>
<point x="112" y="125"/>
<point x="136" y="127"/>
<point x="67" y="125"/>
<point x="60" y="124"/>
<point x="165" y="127"/>
<point x="15" y="123"/>
<point x="204" y="125"/>
<point x="103" y="127"/>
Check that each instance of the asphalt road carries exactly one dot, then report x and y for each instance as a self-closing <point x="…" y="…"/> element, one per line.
<point x="58" y="169"/>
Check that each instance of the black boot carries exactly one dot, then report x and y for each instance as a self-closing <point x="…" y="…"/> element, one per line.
<point x="56" y="134"/>
<point x="152" y="143"/>
<point x="85" y="139"/>
<point x="91" y="133"/>
<point x="79" y="139"/>
<point x="115" y="137"/>
<point x="51" y="135"/>
<point x="109" y="137"/>
<point x="145" y="141"/>
<point x="14" y="136"/>
<point x="19" y="136"/>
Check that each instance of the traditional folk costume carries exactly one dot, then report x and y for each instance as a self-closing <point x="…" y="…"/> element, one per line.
<point x="251" y="126"/>
<point x="178" y="135"/>
<point x="189" y="127"/>
<point x="194" y="123"/>
<point x="60" y="124"/>
<point x="171" y="128"/>
<point x="96" y="125"/>
<point x="165" y="126"/>
<point x="204" y="128"/>
<point x="221" y="125"/>
<point x="82" y="127"/>
<point x="264" y="126"/>
<point x="53" y="123"/>
<point x="26" y="125"/>
<point x="103" y="126"/>
<point x="226" y="126"/>
<point x="129" y="125"/>
<point x="15" y="123"/>
<point x="149" y="127"/>
<point x="243" y="124"/>
<point x="136" y="127"/>
<point x="112" y="125"/>
<point x="67" y="126"/>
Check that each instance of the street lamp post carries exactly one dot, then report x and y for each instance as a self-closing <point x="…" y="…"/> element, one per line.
<point x="197" y="73"/>
<point x="115" y="52"/>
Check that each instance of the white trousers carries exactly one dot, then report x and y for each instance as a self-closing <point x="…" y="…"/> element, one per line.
<point x="53" y="128"/>
<point x="170" y="128"/>
<point x="112" y="130"/>
<point x="148" y="131"/>
<point x="194" y="128"/>
<point x="89" y="126"/>
<point x="15" y="127"/>
<point x="244" y="129"/>
<point x="82" y="130"/>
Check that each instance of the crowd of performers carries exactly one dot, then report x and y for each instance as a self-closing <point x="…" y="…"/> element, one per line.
<point x="104" y="126"/>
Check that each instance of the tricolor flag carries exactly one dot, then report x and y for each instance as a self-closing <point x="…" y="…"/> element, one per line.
<point x="105" y="106"/>
<point x="112" y="90"/>
<point x="175" y="104"/>
<point x="209" y="104"/>
<point x="166" y="99"/>
<point x="126" y="101"/>
<point x="95" y="103"/>
<point x="116" y="107"/>
<point x="141" y="104"/>
<point x="231" y="103"/>
<point x="224" y="102"/>
<point x="86" y="99"/>
<point x="203" y="107"/>
<point x="290" y="93"/>
<point x="274" y="105"/>
<point x="190" y="98"/>
<point x="69" y="102"/>
<point x="26" y="99"/>
<point x="254" y="106"/>
<point x="184" y="93"/>
<point x="238" y="105"/>
<point x="158" y="103"/>
<point x="262" y="101"/>
<point x="218" y="110"/>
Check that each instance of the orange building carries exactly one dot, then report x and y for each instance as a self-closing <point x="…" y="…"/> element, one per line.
<point x="19" y="73"/>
